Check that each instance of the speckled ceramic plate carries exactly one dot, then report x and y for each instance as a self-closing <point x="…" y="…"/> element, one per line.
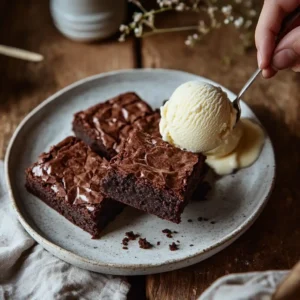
<point x="232" y="206"/>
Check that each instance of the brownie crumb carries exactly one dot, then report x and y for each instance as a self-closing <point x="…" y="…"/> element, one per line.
<point x="125" y="241"/>
<point x="168" y="233"/>
<point x="191" y="245"/>
<point x="173" y="247"/>
<point x="190" y="220"/>
<point x="125" y="248"/>
<point x="158" y="243"/>
<point x="205" y="219"/>
<point x="200" y="219"/>
<point x="212" y="222"/>
<point x="131" y="236"/>
<point x="144" y="244"/>
<point x="95" y="247"/>
<point x="175" y="231"/>
<point x="178" y="241"/>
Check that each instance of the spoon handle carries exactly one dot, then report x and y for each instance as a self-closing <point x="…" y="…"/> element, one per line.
<point x="248" y="83"/>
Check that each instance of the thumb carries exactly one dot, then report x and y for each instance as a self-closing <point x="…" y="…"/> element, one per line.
<point x="287" y="53"/>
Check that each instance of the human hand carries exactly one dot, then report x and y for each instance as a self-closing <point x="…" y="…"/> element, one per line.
<point x="286" y="54"/>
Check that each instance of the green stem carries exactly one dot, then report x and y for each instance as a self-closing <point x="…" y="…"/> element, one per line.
<point x="166" y="30"/>
<point x="161" y="10"/>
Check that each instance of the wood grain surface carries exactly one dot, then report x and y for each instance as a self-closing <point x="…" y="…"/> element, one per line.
<point x="273" y="241"/>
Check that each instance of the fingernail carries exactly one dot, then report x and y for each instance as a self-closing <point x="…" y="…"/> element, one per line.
<point x="264" y="74"/>
<point x="296" y="68"/>
<point x="284" y="59"/>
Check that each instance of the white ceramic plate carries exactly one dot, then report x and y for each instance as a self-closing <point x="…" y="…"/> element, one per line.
<point x="234" y="202"/>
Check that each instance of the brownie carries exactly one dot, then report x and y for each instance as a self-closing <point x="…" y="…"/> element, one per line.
<point x="100" y="126"/>
<point x="68" y="179"/>
<point x="148" y="124"/>
<point x="153" y="176"/>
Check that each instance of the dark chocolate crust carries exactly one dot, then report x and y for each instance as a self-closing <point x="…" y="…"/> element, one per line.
<point x="68" y="179"/>
<point x="153" y="176"/>
<point x="100" y="126"/>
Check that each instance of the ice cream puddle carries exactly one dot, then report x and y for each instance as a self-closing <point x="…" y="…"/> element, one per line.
<point x="244" y="154"/>
<point x="200" y="118"/>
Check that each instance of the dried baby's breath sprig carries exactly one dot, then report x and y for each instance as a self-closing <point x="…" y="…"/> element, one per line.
<point x="241" y="14"/>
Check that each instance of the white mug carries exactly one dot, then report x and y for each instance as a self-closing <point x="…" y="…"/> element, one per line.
<point x="88" y="20"/>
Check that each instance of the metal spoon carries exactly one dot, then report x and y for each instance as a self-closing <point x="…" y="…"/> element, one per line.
<point x="236" y="103"/>
<point x="287" y="23"/>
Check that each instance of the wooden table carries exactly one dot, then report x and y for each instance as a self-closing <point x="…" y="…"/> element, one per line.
<point x="273" y="242"/>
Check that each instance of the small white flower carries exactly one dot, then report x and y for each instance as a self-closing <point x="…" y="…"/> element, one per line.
<point x="166" y="3"/>
<point x="226" y="21"/>
<point x="122" y="38"/>
<point x="195" y="36"/>
<point x="202" y="27"/>
<point x="138" y="31"/>
<point x="123" y="28"/>
<point x="188" y="42"/>
<point x="137" y="17"/>
<point x="180" y="6"/>
<point x="161" y="4"/>
<point x="252" y="13"/>
<point x="248" y="23"/>
<point x="149" y="21"/>
<point x="211" y="10"/>
<point x="226" y="10"/>
<point x="238" y="22"/>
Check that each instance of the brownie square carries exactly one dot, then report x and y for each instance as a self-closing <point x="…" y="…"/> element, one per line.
<point x="154" y="176"/>
<point x="148" y="124"/>
<point x="68" y="179"/>
<point x="100" y="126"/>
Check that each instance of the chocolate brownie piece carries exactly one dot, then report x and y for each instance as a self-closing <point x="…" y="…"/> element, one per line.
<point x="68" y="179"/>
<point x="154" y="176"/>
<point x="148" y="124"/>
<point x="100" y="126"/>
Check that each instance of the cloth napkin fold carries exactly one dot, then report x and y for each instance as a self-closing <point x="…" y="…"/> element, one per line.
<point x="27" y="271"/>
<point x="245" y="286"/>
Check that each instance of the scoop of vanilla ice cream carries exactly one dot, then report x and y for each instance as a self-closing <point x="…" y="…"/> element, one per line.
<point x="198" y="117"/>
<point x="229" y="144"/>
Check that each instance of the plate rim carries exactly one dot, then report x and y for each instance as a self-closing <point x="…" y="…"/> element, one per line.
<point x="40" y="239"/>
